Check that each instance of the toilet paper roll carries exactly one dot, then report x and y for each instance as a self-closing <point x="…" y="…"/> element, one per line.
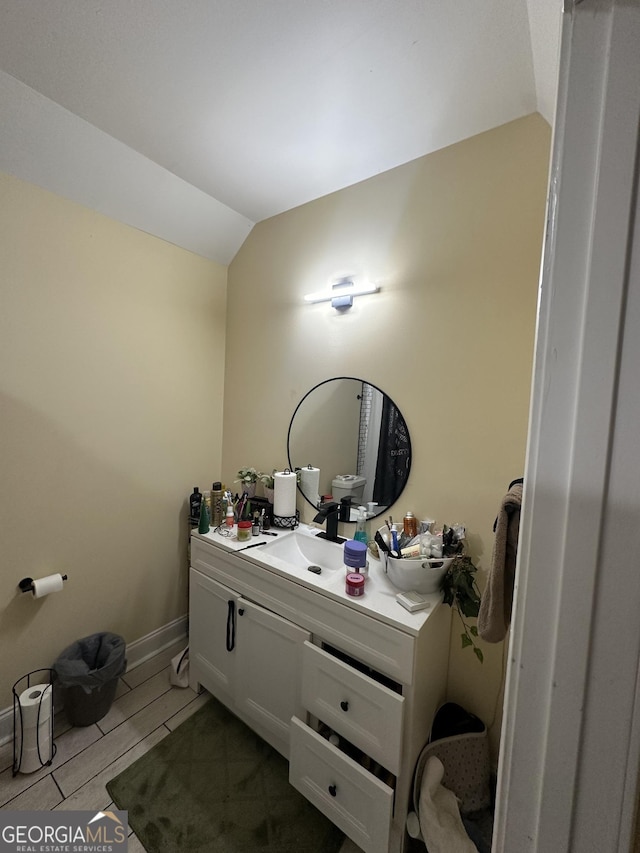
<point x="284" y="493"/>
<point x="310" y="483"/>
<point x="35" y="705"/>
<point x="32" y="737"/>
<point x="36" y="749"/>
<point x="33" y="727"/>
<point x="45" y="586"/>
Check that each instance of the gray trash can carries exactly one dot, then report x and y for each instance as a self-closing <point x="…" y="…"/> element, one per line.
<point x="87" y="674"/>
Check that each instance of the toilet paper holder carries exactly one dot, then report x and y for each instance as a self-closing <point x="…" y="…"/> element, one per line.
<point x="42" y="732"/>
<point x="26" y="584"/>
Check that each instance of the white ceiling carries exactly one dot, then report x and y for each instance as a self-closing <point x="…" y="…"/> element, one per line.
<point x="195" y="119"/>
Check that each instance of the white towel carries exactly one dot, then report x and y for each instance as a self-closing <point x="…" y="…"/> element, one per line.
<point x="439" y="814"/>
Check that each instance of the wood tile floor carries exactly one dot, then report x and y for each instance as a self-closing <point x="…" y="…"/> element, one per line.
<point x="145" y="710"/>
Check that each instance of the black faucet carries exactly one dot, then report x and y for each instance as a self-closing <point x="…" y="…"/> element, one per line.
<point x="329" y="512"/>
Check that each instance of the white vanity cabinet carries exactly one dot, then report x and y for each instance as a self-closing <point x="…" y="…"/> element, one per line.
<point x="345" y="688"/>
<point x="245" y="656"/>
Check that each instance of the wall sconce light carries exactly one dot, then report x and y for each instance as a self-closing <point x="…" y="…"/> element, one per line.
<point x="341" y="294"/>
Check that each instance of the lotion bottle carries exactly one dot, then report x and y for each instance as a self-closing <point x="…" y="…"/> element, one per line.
<point x="203" y="525"/>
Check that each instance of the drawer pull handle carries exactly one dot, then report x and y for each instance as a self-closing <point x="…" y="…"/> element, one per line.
<point x="344" y="705"/>
<point x="333" y="790"/>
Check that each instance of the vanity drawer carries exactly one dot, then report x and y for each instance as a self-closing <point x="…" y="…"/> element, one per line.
<point x="358" y="803"/>
<point x="366" y="713"/>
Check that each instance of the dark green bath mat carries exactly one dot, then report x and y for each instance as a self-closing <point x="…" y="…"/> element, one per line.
<point x="213" y="786"/>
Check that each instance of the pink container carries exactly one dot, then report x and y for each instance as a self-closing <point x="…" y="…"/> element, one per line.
<point x="355" y="584"/>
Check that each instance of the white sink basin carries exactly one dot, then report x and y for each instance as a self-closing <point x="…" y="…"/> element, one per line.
<point x="303" y="551"/>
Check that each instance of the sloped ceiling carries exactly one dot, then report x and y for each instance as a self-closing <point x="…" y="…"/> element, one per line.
<point x="194" y="120"/>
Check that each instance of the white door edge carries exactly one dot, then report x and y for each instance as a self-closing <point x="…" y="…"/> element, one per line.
<point x="572" y="664"/>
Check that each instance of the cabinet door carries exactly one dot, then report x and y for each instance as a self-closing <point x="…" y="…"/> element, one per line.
<point x="213" y="623"/>
<point x="269" y="658"/>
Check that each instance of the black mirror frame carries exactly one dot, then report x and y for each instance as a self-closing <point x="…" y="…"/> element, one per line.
<point x="355" y="379"/>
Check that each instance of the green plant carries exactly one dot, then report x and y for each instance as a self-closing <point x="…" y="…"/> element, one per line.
<point x="267" y="479"/>
<point x="247" y="475"/>
<point x="462" y="594"/>
<point x="459" y="585"/>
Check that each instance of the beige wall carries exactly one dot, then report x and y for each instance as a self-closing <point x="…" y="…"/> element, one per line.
<point x="111" y="382"/>
<point x="454" y="239"/>
<point x="112" y="360"/>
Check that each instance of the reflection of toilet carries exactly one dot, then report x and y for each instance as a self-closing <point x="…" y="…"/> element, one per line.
<point x="348" y="485"/>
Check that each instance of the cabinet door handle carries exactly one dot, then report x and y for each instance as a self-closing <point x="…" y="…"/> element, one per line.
<point x="344" y="705"/>
<point x="240" y="611"/>
<point x="333" y="790"/>
<point x="231" y="625"/>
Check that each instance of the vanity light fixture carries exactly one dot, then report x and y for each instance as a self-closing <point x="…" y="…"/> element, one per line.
<point x="341" y="294"/>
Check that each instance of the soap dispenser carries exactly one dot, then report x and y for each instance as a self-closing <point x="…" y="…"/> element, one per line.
<point x="361" y="534"/>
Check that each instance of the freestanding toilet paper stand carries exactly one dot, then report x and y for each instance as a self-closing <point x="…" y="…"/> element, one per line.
<point x="33" y="745"/>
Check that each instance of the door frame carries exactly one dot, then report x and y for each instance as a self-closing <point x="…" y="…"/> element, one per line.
<point x="570" y="746"/>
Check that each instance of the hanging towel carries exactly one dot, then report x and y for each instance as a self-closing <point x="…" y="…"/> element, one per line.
<point x="440" y="822"/>
<point x="494" y="617"/>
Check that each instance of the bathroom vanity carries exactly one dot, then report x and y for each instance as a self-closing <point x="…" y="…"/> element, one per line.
<point x="344" y="687"/>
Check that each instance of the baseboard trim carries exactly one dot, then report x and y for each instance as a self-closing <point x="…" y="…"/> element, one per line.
<point x="146" y="647"/>
<point x="138" y="652"/>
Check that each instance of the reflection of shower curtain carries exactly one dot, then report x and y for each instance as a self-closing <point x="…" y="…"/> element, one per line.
<point x="393" y="455"/>
<point x="369" y="437"/>
<point x="363" y="429"/>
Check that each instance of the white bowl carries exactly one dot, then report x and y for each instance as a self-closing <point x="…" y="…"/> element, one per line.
<point x="421" y="575"/>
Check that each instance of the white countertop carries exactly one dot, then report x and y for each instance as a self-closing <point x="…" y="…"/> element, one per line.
<point x="379" y="599"/>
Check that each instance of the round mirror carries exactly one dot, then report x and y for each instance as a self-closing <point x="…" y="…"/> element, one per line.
<point x="350" y="440"/>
